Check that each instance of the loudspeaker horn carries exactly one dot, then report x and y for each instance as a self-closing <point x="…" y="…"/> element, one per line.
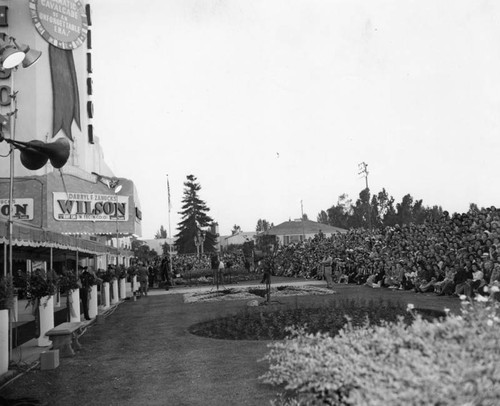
<point x="35" y="154"/>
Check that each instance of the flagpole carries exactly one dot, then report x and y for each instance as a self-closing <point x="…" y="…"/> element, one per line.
<point x="169" y="207"/>
<point x="169" y="227"/>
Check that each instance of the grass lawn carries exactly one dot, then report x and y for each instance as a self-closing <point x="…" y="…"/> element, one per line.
<point x="144" y="355"/>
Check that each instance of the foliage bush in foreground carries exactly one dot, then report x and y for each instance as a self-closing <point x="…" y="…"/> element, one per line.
<point x="451" y="361"/>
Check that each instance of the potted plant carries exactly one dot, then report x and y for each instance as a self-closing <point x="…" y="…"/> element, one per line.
<point x="40" y="288"/>
<point x="6" y="293"/>
<point x="106" y="276"/>
<point x="121" y="274"/>
<point x="88" y="292"/>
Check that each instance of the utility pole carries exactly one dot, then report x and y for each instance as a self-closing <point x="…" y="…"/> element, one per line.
<point x="363" y="170"/>
<point x="302" y="220"/>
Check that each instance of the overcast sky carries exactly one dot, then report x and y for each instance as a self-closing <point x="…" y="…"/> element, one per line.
<point x="272" y="102"/>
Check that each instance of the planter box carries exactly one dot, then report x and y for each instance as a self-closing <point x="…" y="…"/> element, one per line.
<point x="105" y="288"/>
<point x="114" y="288"/>
<point x="46" y="310"/>
<point x="135" y="285"/>
<point x="123" y="288"/>
<point x="74" y="314"/>
<point x="93" y="302"/>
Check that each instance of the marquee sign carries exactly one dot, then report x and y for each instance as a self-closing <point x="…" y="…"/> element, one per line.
<point x="89" y="207"/>
<point x="23" y="209"/>
<point x="62" y="23"/>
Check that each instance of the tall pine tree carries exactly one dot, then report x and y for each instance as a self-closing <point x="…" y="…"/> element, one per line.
<point x="194" y="217"/>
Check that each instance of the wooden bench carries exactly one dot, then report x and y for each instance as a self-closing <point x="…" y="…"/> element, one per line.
<point x="65" y="335"/>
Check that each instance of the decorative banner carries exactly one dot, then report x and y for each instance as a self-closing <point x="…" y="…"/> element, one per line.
<point x="66" y="101"/>
<point x="23" y="209"/>
<point x="63" y="24"/>
<point x="89" y="207"/>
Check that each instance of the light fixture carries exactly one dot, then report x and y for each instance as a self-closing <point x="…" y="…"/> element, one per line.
<point x="13" y="54"/>
<point x="31" y="55"/>
<point x="4" y="120"/>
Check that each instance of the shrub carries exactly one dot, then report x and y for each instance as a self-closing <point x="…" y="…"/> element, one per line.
<point x="68" y="281"/>
<point x="39" y="285"/>
<point x="106" y="275"/>
<point x="6" y="292"/>
<point x="450" y="361"/>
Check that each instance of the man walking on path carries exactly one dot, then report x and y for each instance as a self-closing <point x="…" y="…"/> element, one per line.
<point x="327" y="270"/>
<point x="143" y="278"/>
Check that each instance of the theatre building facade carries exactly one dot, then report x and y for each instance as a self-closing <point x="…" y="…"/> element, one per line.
<point x="60" y="204"/>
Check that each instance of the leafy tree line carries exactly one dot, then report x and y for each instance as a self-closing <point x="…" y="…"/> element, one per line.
<point x="377" y="210"/>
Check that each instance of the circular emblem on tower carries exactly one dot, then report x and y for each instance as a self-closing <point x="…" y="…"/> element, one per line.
<point x="62" y="23"/>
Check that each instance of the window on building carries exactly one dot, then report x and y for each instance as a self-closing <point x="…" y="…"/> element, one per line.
<point x="88" y="12"/>
<point x="89" y="62"/>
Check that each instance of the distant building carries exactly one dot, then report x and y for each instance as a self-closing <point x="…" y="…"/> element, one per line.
<point x="236" y="239"/>
<point x="157" y="244"/>
<point x="300" y="230"/>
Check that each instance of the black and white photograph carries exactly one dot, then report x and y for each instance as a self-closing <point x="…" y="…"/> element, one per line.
<point x="233" y="202"/>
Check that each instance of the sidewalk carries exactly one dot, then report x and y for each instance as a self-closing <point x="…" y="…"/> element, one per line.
<point x="27" y="355"/>
<point x="276" y="281"/>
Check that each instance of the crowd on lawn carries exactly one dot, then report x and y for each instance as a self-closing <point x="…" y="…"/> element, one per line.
<point x="192" y="265"/>
<point x="451" y="256"/>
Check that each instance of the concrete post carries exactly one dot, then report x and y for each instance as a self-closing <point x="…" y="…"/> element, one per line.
<point x="93" y="302"/>
<point x="135" y="286"/>
<point x="114" y="286"/>
<point x="4" y="341"/>
<point x="105" y="287"/>
<point x="15" y="308"/>
<point x="46" y="310"/>
<point x="123" y="289"/>
<point x="74" y="302"/>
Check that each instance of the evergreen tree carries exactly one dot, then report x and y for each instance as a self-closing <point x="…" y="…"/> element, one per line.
<point x="362" y="210"/>
<point x="405" y="209"/>
<point x="322" y="217"/>
<point x="161" y="233"/>
<point x="194" y="218"/>
<point x="262" y="225"/>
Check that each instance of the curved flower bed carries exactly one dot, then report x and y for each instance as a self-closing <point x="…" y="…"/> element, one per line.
<point x="274" y="324"/>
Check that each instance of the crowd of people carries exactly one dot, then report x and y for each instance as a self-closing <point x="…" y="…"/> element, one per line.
<point x="453" y="255"/>
<point x="162" y="273"/>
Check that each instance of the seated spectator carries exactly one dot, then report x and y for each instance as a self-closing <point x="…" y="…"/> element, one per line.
<point x="340" y="275"/>
<point x="378" y="280"/>
<point x="461" y="277"/>
<point x="476" y="285"/>
<point x="392" y="277"/>
<point x="446" y="286"/>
